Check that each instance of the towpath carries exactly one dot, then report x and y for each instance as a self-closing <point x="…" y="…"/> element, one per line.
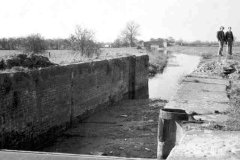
<point x="206" y="95"/>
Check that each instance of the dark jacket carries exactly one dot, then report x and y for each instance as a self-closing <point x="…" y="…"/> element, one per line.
<point x="220" y="36"/>
<point x="229" y="36"/>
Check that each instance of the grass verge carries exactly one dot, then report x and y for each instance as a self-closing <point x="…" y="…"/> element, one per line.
<point x="157" y="62"/>
<point x="157" y="59"/>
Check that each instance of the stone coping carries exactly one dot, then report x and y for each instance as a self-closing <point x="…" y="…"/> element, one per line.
<point x="28" y="155"/>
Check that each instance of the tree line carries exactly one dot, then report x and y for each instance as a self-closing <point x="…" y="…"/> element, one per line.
<point x="81" y="41"/>
<point x="19" y="43"/>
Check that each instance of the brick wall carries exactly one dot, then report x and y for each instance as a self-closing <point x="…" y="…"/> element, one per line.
<point x="37" y="106"/>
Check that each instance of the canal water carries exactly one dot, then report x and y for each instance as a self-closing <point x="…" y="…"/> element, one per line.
<point x="165" y="84"/>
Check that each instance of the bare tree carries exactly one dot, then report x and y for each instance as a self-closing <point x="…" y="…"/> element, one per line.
<point x="82" y="39"/>
<point x="34" y="43"/>
<point x="117" y="43"/>
<point x="130" y="32"/>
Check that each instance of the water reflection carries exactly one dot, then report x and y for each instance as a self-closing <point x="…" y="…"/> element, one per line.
<point x="165" y="85"/>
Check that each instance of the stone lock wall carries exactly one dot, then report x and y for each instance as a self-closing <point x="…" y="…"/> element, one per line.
<point x="38" y="105"/>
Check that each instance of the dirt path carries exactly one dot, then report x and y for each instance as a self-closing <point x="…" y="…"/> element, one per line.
<point x="127" y="129"/>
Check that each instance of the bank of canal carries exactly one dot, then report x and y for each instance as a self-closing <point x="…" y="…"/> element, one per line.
<point x="129" y="128"/>
<point x="165" y="84"/>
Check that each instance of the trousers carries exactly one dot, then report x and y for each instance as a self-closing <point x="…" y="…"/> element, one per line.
<point x="220" y="49"/>
<point x="229" y="47"/>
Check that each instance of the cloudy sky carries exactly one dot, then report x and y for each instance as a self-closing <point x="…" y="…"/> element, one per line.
<point x="186" y="19"/>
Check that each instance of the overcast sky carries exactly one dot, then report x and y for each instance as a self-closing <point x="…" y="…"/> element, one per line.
<point x="186" y="19"/>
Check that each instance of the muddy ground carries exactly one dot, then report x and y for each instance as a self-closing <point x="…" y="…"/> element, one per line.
<point x="127" y="129"/>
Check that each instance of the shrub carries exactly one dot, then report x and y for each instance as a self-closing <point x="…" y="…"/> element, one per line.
<point x="158" y="60"/>
<point x="206" y="55"/>
<point x="2" y="64"/>
<point x="139" y="47"/>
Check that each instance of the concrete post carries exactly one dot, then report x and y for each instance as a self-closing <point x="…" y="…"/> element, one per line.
<point x="169" y="130"/>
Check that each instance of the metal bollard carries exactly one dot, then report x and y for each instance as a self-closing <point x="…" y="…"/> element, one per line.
<point x="170" y="130"/>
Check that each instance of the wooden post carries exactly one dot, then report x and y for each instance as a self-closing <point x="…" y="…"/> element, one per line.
<point x="169" y="130"/>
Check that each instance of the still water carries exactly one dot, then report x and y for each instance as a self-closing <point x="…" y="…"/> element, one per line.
<point x="164" y="85"/>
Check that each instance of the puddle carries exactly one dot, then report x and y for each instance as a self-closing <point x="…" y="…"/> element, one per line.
<point x="164" y="85"/>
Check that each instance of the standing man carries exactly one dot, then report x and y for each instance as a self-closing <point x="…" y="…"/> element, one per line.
<point x="221" y="39"/>
<point x="229" y="39"/>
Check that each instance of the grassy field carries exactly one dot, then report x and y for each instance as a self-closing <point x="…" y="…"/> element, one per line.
<point x="69" y="56"/>
<point x="201" y="50"/>
<point x="157" y="59"/>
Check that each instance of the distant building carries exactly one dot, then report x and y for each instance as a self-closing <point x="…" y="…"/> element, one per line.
<point x="107" y="45"/>
<point x="155" y="44"/>
<point x="141" y="43"/>
<point x="165" y="44"/>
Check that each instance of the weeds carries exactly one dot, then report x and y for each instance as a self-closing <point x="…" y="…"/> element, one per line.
<point x="23" y="61"/>
<point x="234" y="110"/>
<point x="158" y="61"/>
<point x="214" y="126"/>
<point x="205" y="90"/>
<point x="66" y="57"/>
<point x="206" y="55"/>
<point x="196" y="81"/>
